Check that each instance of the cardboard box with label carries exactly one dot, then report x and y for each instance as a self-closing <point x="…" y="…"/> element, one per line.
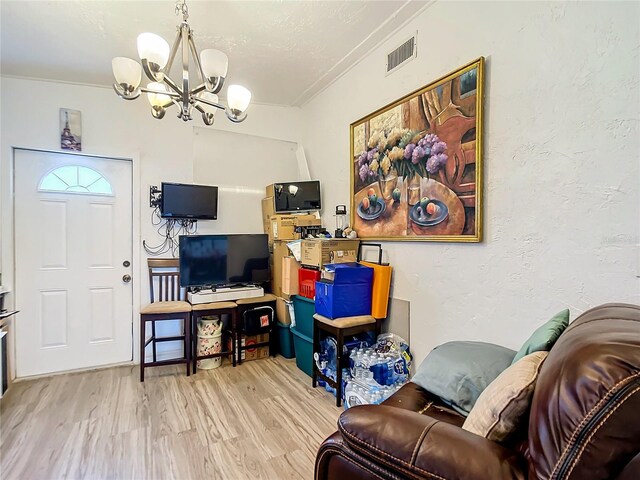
<point x="255" y="353"/>
<point x="318" y="252"/>
<point x="283" y="227"/>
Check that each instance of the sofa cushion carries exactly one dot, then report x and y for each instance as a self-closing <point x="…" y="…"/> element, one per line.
<point x="458" y="372"/>
<point x="545" y="336"/>
<point x="501" y="409"/>
<point x="416" y="399"/>
<point x="412" y="446"/>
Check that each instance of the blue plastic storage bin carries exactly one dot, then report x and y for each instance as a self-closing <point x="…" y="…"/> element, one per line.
<point x="304" y="351"/>
<point x="304" y="308"/>
<point x="338" y="301"/>
<point x="348" y="295"/>
<point x="351" y="272"/>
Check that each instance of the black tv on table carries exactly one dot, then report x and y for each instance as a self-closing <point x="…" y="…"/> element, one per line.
<point x="196" y="202"/>
<point x="297" y="196"/>
<point x="224" y="260"/>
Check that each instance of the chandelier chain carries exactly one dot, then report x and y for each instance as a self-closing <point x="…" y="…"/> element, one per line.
<point x="182" y="9"/>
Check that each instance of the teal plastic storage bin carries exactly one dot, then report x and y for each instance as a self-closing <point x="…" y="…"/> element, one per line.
<point x="285" y="338"/>
<point x="304" y="351"/>
<point x="304" y="309"/>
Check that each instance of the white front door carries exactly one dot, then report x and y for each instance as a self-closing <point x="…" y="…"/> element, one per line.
<point x="73" y="238"/>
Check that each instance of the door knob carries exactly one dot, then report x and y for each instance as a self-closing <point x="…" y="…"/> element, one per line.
<point x="126" y="278"/>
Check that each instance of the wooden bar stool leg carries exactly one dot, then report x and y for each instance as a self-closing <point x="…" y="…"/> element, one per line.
<point x="239" y="337"/>
<point x="187" y="341"/>
<point x="194" y="341"/>
<point x="142" y="340"/>
<point x="339" y="358"/>
<point x="153" y="342"/>
<point x="234" y="329"/>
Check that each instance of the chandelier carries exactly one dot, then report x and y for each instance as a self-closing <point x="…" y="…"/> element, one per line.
<point x="162" y="92"/>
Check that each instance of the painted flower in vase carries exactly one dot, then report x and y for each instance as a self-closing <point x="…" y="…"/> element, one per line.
<point x="423" y="156"/>
<point x="406" y="151"/>
<point x="400" y="152"/>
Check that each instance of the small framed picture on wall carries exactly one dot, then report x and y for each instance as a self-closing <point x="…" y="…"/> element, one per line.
<point x="70" y="129"/>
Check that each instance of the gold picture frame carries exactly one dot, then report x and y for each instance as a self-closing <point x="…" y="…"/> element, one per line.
<point x="416" y="163"/>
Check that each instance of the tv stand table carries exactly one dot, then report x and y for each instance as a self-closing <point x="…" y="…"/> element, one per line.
<point x="235" y="310"/>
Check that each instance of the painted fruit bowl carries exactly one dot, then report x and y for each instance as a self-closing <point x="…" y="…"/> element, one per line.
<point x="427" y="220"/>
<point x="374" y="211"/>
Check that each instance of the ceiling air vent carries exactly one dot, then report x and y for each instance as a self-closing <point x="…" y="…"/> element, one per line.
<point x="401" y="55"/>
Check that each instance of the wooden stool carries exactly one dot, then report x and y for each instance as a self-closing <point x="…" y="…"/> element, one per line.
<point x="200" y="310"/>
<point x="244" y="304"/>
<point x="168" y="307"/>
<point x="339" y="328"/>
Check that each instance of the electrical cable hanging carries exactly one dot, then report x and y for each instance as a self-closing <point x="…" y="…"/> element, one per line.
<point x="170" y="230"/>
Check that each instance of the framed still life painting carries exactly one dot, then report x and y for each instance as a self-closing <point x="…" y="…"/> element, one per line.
<point x="416" y="171"/>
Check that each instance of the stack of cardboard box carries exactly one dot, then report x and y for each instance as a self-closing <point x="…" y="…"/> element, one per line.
<point x="315" y="253"/>
<point x="281" y="229"/>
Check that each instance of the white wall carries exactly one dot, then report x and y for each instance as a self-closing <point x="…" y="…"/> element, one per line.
<point x="113" y="127"/>
<point x="241" y="165"/>
<point x="561" y="156"/>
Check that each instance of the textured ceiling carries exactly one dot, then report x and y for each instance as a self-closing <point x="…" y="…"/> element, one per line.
<point x="283" y="51"/>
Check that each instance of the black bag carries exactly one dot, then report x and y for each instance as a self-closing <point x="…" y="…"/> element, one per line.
<point x="257" y="321"/>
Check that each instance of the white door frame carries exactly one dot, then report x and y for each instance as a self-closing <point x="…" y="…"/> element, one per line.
<point x="135" y="240"/>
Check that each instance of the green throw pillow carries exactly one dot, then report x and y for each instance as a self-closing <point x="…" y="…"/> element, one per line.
<point x="544" y="337"/>
<point x="458" y="372"/>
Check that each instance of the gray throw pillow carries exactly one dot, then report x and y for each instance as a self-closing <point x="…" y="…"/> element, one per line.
<point x="458" y="372"/>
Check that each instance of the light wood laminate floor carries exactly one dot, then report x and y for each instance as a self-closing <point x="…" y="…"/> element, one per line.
<point x="261" y="419"/>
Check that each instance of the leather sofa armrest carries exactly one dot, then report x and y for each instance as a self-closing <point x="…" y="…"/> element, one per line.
<point x="417" y="446"/>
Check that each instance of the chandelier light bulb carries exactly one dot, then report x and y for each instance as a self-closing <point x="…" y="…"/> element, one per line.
<point x="157" y="99"/>
<point x="154" y="49"/>
<point x="211" y="97"/>
<point x="214" y="63"/>
<point x="127" y="72"/>
<point x="238" y="98"/>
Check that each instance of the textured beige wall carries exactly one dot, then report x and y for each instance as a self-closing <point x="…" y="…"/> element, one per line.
<point x="561" y="162"/>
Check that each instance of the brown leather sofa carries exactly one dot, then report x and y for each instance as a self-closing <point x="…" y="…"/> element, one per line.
<point x="584" y="422"/>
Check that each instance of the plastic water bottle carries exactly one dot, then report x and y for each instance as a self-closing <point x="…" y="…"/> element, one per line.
<point x="359" y="365"/>
<point x="352" y="360"/>
<point x="366" y="365"/>
<point x="345" y="380"/>
<point x="322" y="366"/>
<point x="330" y="348"/>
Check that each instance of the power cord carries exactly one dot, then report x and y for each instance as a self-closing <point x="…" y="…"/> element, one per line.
<point x="169" y="229"/>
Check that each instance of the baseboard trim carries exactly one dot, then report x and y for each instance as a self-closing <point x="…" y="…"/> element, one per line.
<point x="75" y="370"/>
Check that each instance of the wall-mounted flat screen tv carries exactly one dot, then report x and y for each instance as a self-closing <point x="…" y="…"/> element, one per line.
<point x="297" y="196"/>
<point x="216" y="260"/>
<point x="197" y="202"/>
